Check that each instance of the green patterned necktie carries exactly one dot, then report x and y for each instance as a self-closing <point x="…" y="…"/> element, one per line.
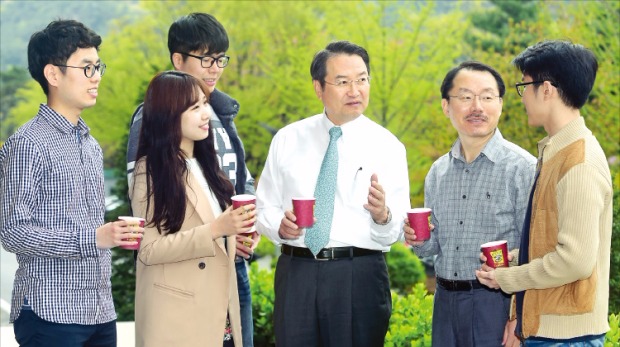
<point x="317" y="237"/>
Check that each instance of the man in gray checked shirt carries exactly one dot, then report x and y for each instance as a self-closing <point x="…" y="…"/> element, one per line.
<point x="478" y="192"/>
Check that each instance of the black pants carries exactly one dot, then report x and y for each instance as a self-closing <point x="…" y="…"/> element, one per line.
<point x="344" y="302"/>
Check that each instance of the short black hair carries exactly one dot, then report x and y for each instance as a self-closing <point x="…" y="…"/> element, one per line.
<point x="318" y="68"/>
<point x="448" y="81"/>
<point x="55" y="44"/>
<point x="570" y="67"/>
<point x="197" y="31"/>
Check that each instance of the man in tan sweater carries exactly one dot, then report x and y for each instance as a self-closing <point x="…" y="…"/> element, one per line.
<point x="561" y="283"/>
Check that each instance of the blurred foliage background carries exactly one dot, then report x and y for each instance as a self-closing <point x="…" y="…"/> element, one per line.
<point x="412" y="44"/>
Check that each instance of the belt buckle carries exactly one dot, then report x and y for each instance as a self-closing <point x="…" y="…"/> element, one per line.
<point x="330" y="253"/>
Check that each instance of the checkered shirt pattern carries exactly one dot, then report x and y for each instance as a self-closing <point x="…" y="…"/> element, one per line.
<point x="474" y="203"/>
<point x="51" y="202"/>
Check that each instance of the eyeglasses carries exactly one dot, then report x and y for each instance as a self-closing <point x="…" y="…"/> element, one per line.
<point x="207" y="62"/>
<point x="468" y="98"/>
<point x="521" y="86"/>
<point x="360" y="82"/>
<point x="89" y="70"/>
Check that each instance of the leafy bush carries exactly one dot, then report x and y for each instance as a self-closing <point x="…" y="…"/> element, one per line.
<point x="263" y="299"/>
<point x="405" y="268"/>
<point x="612" y="338"/>
<point x="411" y="321"/>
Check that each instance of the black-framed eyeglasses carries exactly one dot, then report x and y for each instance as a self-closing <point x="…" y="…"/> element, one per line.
<point x="521" y="86"/>
<point x="207" y="62"/>
<point x="360" y="82"/>
<point x="89" y="70"/>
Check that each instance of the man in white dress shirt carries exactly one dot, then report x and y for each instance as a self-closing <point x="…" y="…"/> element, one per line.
<point x="341" y="296"/>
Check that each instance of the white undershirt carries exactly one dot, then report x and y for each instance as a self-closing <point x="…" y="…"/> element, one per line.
<point x="194" y="168"/>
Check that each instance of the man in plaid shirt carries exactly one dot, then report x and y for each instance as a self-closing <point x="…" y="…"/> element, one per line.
<point x="52" y="201"/>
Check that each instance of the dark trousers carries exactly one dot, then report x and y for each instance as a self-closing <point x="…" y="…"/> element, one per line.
<point x="343" y="303"/>
<point x="32" y="331"/>
<point x="473" y="318"/>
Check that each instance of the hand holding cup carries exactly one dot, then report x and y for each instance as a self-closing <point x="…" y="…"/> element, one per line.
<point x="496" y="253"/>
<point x="136" y="225"/>
<point x="303" y="208"/>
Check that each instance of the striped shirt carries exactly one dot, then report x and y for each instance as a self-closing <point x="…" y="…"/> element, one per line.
<point x="474" y="203"/>
<point x="51" y="202"/>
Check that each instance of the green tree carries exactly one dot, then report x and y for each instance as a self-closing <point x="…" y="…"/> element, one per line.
<point x="491" y="24"/>
<point x="10" y="81"/>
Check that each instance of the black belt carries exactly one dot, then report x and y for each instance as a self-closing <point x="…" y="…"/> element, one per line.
<point x="328" y="253"/>
<point x="456" y="286"/>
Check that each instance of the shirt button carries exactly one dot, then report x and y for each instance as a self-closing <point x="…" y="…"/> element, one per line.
<point x="467" y="170"/>
<point x="461" y="222"/>
<point x="455" y="274"/>
<point x="457" y="248"/>
<point x="464" y="196"/>
<point x="201" y="265"/>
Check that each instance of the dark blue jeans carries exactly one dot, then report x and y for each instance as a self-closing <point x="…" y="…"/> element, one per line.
<point x="32" y="331"/>
<point x="583" y="341"/>
<point x="245" y="301"/>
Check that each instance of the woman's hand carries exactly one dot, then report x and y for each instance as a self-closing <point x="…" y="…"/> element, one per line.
<point x="233" y="222"/>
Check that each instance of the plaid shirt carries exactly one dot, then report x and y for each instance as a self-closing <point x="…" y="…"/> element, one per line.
<point x="474" y="203"/>
<point x="51" y="202"/>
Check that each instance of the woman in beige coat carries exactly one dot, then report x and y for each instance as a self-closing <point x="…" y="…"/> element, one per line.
<point x="186" y="290"/>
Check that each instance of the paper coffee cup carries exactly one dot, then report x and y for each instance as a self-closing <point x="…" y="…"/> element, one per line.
<point x="496" y="253"/>
<point x="418" y="221"/>
<point x="303" y="208"/>
<point x="242" y="200"/>
<point x="133" y="222"/>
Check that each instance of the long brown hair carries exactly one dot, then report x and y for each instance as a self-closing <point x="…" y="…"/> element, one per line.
<point x="169" y="94"/>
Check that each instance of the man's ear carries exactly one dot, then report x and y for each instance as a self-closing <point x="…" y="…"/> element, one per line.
<point x="549" y="89"/>
<point x="177" y="60"/>
<point x="444" y="107"/>
<point x="52" y="74"/>
<point x="318" y="89"/>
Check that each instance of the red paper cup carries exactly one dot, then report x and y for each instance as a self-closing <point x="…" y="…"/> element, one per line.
<point x="242" y="200"/>
<point x="133" y="222"/>
<point x="303" y="208"/>
<point x="496" y="253"/>
<point x="418" y="220"/>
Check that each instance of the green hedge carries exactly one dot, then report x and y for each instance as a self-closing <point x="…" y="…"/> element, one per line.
<point x="405" y="269"/>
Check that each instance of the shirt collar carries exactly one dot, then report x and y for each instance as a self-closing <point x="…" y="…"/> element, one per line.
<point x="570" y="133"/>
<point x="347" y="127"/>
<point x="490" y="150"/>
<point x="61" y="123"/>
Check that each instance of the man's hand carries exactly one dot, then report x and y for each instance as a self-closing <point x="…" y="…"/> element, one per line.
<point x="112" y="234"/>
<point x="376" y="201"/>
<point x="288" y="229"/>
<point x="510" y="339"/>
<point x="486" y="274"/>
<point x="410" y="234"/>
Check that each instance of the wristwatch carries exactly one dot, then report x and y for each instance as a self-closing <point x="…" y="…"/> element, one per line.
<point x="389" y="217"/>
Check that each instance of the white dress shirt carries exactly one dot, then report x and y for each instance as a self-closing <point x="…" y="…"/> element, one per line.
<point x="293" y="165"/>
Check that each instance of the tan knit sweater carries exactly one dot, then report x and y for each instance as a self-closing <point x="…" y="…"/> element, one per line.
<point x="567" y="277"/>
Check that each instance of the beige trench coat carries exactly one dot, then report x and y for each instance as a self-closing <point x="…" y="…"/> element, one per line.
<point x="186" y="282"/>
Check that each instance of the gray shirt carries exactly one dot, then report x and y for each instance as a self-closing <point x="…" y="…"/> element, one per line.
<point x="477" y="202"/>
